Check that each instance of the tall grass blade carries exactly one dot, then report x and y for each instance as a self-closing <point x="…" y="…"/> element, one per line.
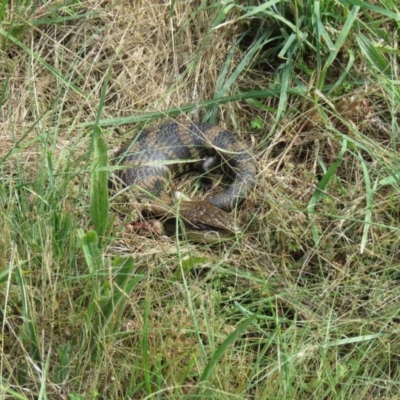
<point x="44" y="377"/>
<point x="299" y="90"/>
<point x="99" y="201"/>
<point x="62" y="370"/>
<point x="369" y="195"/>
<point x="373" y="7"/>
<point x="113" y="299"/>
<point x="15" y="395"/>
<point x="222" y="349"/>
<point x="28" y="318"/>
<point x="5" y="274"/>
<point x="56" y="73"/>
<point x="344" y="75"/>
<point x="91" y="252"/>
<point x="373" y="55"/>
<point x="145" y="347"/>
<point x="344" y="33"/>
<point x="319" y="191"/>
<point x="108" y="295"/>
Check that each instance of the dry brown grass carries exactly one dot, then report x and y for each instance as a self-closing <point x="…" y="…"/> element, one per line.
<point x="308" y="293"/>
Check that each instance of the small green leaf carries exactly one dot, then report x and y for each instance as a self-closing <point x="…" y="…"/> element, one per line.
<point x="257" y="123"/>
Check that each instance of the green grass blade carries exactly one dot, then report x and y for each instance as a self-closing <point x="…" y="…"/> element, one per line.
<point x="59" y="20"/>
<point x="113" y="301"/>
<point x="345" y="72"/>
<point x="373" y="55"/>
<point x="183" y="109"/>
<point x="373" y="7"/>
<point x="90" y="247"/>
<point x="369" y="195"/>
<point x="344" y="33"/>
<point x="62" y="370"/>
<point x="319" y="191"/>
<point x="321" y="32"/>
<point x="44" y="377"/>
<point x="261" y="9"/>
<point x="15" y="395"/>
<point x="222" y="349"/>
<point x="246" y="60"/>
<point x="145" y="347"/>
<point x="299" y="90"/>
<point x="67" y="83"/>
<point x="6" y="274"/>
<point x="99" y="200"/>
<point x="28" y="318"/>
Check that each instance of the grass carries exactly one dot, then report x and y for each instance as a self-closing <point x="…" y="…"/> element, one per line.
<point x="305" y="304"/>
